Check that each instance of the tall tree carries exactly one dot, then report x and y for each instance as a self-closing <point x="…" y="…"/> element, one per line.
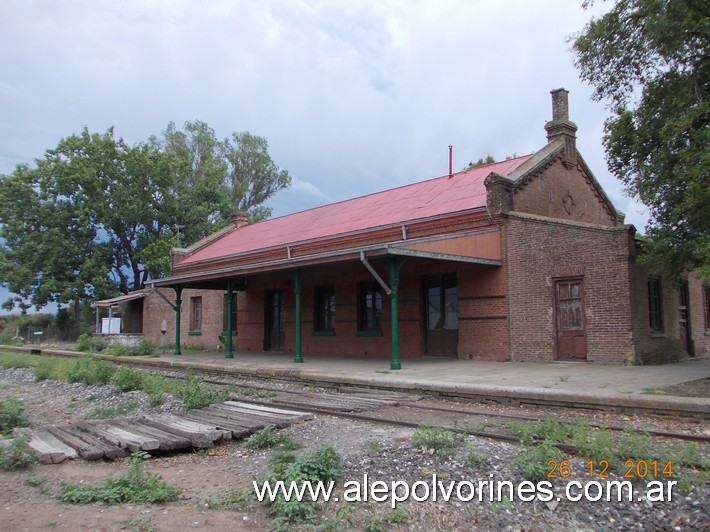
<point x="97" y="216"/>
<point x="649" y="60"/>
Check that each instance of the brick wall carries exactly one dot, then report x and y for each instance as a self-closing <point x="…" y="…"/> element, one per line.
<point x="483" y="327"/>
<point x="700" y="336"/>
<point x="565" y="193"/>
<point x="542" y="250"/>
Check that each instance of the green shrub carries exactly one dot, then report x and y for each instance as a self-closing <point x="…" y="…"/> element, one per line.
<point x="196" y="394"/>
<point x="117" y="350"/>
<point x="533" y="461"/>
<point x="91" y="370"/>
<point x="134" y="487"/>
<point x="441" y="440"/>
<point x="128" y="379"/>
<point x="17" y="360"/>
<point x="6" y="339"/>
<point x="57" y="369"/>
<point x="12" y="414"/>
<point x="17" y="455"/>
<point x="89" y="344"/>
<point x="324" y="464"/>
<point x="156" y="399"/>
<point x="266" y="438"/>
<point x="144" y="348"/>
<point x="110" y="412"/>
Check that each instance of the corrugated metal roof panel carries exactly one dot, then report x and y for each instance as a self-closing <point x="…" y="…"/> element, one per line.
<point x="442" y="195"/>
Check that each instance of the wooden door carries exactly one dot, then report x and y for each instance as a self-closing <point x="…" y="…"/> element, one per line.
<point x="571" y="327"/>
<point x="442" y="317"/>
<point x="274" y="333"/>
<point x="683" y="317"/>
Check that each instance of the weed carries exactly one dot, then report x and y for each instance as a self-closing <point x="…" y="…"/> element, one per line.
<point x="12" y="414"/>
<point x="17" y="360"/>
<point x="89" y="344"/>
<point x="57" y="369"/>
<point x="35" y="481"/>
<point x="323" y="464"/>
<point x="117" y="350"/>
<point x="6" y="339"/>
<point x="143" y="348"/>
<point x="17" y="455"/>
<point x="236" y="498"/>
<point x="532" y="462"/>
<point x="91" y="370"/>
<point x="140" y="524"/>
<point x="38" y="481"/>
<point x="373" y="446"/>
<point x="335" y="523"/>
<point x="266" y="438"/>
<point x="394" y="516"/>
<point x="549" y="429"/>
<point x="441" y="440"/>
<point x="472" y="456"/>
<point x="564" y="378"/>
<point x="156" y="399"/>
<point x="135" y="487"/>
<point x="251" y="392"/>
<point x="196" y="394"/>
<point x="503" y="504"/>
<point x="110" y="412"/>
<point x="653" y="391"/>
<point x="128" y="379"/>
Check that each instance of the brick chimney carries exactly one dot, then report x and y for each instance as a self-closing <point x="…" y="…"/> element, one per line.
<point x="560" y="127"/>
<point x="240" y="219"/>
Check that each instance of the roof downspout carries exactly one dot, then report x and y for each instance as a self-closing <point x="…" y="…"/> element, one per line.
<point x="363" y="259"/>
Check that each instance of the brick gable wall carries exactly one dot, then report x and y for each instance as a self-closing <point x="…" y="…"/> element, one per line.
<point x="542" y="250"/>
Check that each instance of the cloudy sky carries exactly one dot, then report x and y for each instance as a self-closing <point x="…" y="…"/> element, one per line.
<point x="353" y="96"/>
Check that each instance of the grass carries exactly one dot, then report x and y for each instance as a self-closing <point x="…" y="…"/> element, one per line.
<point x="266" y="438"/>
<point x="12" y="415"/>
<point x="373" y="446"/>
<point x="111" y="412"/>
<point x="385" y="521"/>
<point x="437" y="439"/>
<point x="542" y="438"/>
<point x="533" y="461"/>
<point x="17" y="455"/>
<point x="472" y="456"/>
<point x="136" y="486"/>
<point x="17" y="360"/>
<point x="90" y="369"/>
<point x="323" y="464"/>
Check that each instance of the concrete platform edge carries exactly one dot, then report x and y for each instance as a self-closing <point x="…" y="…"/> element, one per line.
<point x="693" y="406"/>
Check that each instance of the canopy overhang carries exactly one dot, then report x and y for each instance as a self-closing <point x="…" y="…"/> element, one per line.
<point x="476" y="247"/>
<point x="114" y="301"/>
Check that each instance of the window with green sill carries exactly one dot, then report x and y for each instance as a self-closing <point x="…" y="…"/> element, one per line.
<point x="324" y="319"/>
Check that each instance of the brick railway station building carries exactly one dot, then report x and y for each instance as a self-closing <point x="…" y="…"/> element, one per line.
<point x="524" y="259"/>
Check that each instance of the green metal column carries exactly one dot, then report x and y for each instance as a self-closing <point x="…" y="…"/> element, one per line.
<point x="394" y="267"/>
<point x="230" y="292"/>
<point x="178" y="302"/>
<point x="298" y="358"/>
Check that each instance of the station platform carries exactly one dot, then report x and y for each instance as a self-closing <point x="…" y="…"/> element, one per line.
<point x="575" y="384"/>
<point x="572" y="384"/>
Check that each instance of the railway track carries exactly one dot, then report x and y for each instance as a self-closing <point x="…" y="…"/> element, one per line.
<point x="403" y="403"/>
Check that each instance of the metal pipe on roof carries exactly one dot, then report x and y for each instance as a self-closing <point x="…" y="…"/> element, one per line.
<point x="379" y="279"/>
<point x="451" y="161"/>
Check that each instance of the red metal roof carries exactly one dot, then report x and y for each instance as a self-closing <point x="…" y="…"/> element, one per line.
<point x="435" y="197"/>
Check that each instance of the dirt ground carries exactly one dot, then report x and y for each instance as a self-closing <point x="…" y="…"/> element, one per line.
<point x="382" y="451"/>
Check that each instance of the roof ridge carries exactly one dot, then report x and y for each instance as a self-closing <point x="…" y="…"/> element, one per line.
<point x="404" y="185"/>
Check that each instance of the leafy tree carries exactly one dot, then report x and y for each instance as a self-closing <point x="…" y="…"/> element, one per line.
<point x="97" y="216"/>
<point x="480" y="162"/>
<point x="649" y="60"/>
